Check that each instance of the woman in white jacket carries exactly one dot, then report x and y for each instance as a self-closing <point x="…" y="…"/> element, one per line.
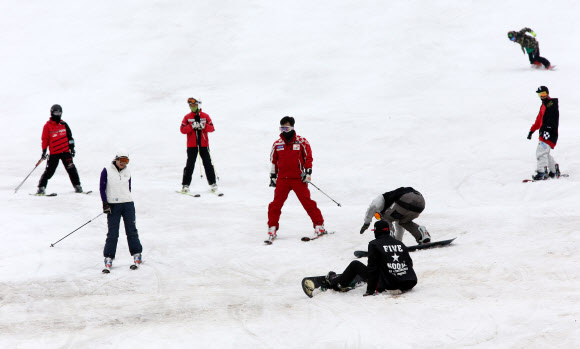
<point x="115" y="188"/>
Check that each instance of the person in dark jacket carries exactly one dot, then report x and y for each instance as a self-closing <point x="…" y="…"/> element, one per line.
<point x="399" y="208"/>
<point x="547" y="122"/>
<point x="530" y="46"/>
<point x="389" y="267"/>
<point x="57" y="137"/>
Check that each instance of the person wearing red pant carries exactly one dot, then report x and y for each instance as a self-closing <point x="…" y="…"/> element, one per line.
<point x="291" y="159"/>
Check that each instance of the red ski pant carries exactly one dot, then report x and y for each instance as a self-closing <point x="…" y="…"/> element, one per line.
<point x="283" y="187"/>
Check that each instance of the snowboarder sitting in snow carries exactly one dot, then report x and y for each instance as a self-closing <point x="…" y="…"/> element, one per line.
<point x="399" y="208"/>
<point x="389" y="268"/>
<point x="547" y="122"/>
<point x="530" y="45"/>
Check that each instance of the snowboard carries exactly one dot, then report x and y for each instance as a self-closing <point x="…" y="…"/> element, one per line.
<point x="53" y="194"/>
<point x="315" y="284"/>
<point x="360" y="254"/>
<point x="195" y="195"/>
<point x="565" y="175"/>
<point x="541" y="67"/>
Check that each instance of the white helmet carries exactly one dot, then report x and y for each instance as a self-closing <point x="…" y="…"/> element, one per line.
<point x="122" y="154"/>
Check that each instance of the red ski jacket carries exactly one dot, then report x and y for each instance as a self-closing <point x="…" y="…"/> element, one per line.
<point x="57" y="137"/>
<point x="187" y="129"/>
<point x="547" y="122"/>
<point x="290" y="159"/>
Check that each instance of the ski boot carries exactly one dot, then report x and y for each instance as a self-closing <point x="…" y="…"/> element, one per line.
<point x="214" y="189"/>
<point x="108" y="265"/>
<point x="319" y="230"/>
<point x="557" y="171"/>
<point x="41" y="191"/>
<point x="540" y="176"/>
<point x="136" y="261"/>
<point x="78" y="188"/>
<point x="425" y="236"/>
<point x="185" y="189"/>
<point x="271" y="235"/>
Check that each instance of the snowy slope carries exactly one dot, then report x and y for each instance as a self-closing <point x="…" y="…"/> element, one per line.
<point x="424" y="94"/>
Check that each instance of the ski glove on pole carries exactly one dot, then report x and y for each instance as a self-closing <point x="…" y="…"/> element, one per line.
<point x="273" y="178"/>
<point x="106" y="208"/>
<point x="530" y="135"/>
<point x="43" y="154"/>
<point x="364" y="227"/>
<point x="307" y="175"/>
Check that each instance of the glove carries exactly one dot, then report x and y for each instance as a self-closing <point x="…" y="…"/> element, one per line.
<point x="201" y="125"/>
<point x="195" y="125"/>
<point x="307" y="175"/>
<point x="44" y="156"/>
<point x="368" y="294"/>
<point x="72" y="152"/>
<point x="106" y="208"/>
<point x="530" y="135"/>
<point x="273" y="179"/>
<point x="364" y="227"/>
<point x="533" y="34"/>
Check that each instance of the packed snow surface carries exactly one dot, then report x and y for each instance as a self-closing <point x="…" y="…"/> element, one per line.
<point x="389" y="93"/>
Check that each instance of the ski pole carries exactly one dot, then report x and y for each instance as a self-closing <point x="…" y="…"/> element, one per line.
<point x="325" y="194"/>
<point x="52" y="245"/>
<point x="21" y="183"/>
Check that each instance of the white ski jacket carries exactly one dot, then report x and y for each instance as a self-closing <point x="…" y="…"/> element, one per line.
<point x="115" y="185"/>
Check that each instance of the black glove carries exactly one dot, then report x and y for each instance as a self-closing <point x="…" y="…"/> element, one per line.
<point x="72" y="152"/>
<point x="364" y="227"/>
<point x="307" y="175"/>
<point x="273" y="179"/>
<point x="44" y="156"/>
<point x="106" y="207"/>
<point x="530" y="135"/>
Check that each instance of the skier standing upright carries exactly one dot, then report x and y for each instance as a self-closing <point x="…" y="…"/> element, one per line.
<point x="57" y="137"/>
<point x="291" y="159"/>
<point x="399" y="208"/>
<point x="115" y="189"/>
<point x="547" y="122"/>
<point x="196" y="125"/>
<point x="529" y="45"/>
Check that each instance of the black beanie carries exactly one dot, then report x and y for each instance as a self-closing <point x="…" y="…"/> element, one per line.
<point x="543" y="89"/>
<point x="381" y="227"/>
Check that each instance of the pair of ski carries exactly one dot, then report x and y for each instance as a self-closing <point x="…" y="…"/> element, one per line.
<point x="55" y="194"/>
<point x="565" y="175"/>
<point x="132" y="267"/>
<point x="196" y="195"/>
<point x="305" y="238"/>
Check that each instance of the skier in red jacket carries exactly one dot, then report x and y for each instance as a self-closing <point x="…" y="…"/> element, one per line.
<point x="57" y="137"/>
<point x="196" y="125"/>
<point x="291" y="160"/>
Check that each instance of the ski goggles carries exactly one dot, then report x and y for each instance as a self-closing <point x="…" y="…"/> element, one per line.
<point x="513" y="38"/>
<point x="543" y="94"/>
<point x="56" y="113"/>
<point x="123" y="160"/>
<point x="286" y="128"/>
<point x="192" y="100"/>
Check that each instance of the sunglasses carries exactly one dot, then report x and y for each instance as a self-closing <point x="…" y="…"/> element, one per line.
<point x="543" y="94"/>
<point x="123" y="160"/>
<point x="286" y="128"/>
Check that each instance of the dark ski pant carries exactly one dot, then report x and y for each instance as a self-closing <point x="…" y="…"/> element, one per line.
<point x="190" y="165"/>
<point x="357" y="268"/>
<point x="534" y="57"/>
<point x="283" y="188"/>
<point x="127" y="211"/>
<point x="52" y="164"/>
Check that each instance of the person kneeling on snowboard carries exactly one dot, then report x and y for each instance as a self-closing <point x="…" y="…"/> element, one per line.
<point x="399" y="208"/>
<point x="389" y="268"/>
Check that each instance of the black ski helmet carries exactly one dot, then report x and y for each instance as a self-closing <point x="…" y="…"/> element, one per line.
<point x="543" y="89"/>
<point x="56" y="110"/>
<point x="381" y="227"/>
<point x="511" y="34"/>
